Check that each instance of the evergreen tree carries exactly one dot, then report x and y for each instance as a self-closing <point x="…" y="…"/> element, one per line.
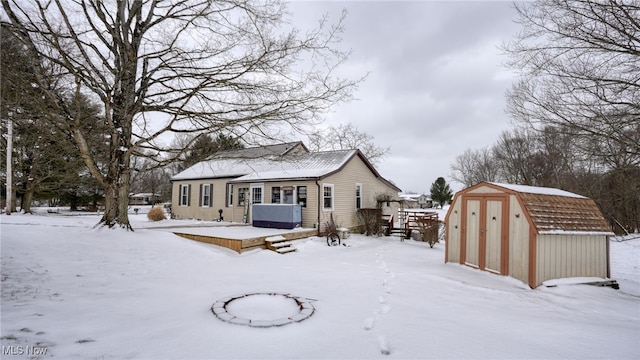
<point x="441" y="192"/>
<point x="205" y="146"/>
<point x="46" y="163"/>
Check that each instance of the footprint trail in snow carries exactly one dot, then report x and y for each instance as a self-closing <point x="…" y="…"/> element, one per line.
<point x="385" y="308"/>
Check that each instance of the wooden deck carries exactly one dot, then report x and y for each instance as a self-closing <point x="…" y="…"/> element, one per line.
<point x="409" y="220"/>
<point x="242" y="245"/>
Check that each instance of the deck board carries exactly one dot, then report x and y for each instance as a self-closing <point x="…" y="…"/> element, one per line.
<point x="242" y="245"/>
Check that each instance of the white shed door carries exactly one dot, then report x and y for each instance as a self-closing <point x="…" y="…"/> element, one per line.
<point x="473" y="233"/>
<point x="493" y="235"/>
<point x="484" y="232"/>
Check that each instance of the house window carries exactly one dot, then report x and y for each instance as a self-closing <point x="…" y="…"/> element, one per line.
<point x="256" y="194"/>
<point x="327" y="195"/>
<point x="302" y="196"/>
<point x="287" y="195"/>
<point x="358" y="196"/>
<point x="205" y="195"/>
<point x="242" y="196"/>
<point x="275" y="195"/>
<point x="185" y="195"/>
<point x="229" y="195"/>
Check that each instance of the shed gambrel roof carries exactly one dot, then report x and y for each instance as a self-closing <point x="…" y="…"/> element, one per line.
<point x="557" y="211"/>
<point x="296" y="166"/>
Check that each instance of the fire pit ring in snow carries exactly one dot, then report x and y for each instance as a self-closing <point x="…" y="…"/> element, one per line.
<point x="263" y="309"/>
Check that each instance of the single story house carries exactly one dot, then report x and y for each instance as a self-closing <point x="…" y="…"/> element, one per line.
<point x="530" y="233"/>
<point x="416" y="201"/>
<point x="323" y="183"/>
<point x="143" y="199"/>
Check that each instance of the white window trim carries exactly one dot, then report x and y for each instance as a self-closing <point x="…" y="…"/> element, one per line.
<point x="204" y="191"/>
<point x="256" y="186"/>
<point x="229" y="195"/>
<point x="184" y="188"/>
<point x="333" y="197"/>
<point x="246" y="194"/>
<point x="296" y="192"/>
<point x="293" y="195"/>
<point x="358" y="196"/>
<point x="280" y="193"/>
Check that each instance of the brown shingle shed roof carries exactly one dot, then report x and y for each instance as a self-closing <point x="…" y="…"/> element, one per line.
<point x="557" y="211"/>
<point x="551" y="213"/>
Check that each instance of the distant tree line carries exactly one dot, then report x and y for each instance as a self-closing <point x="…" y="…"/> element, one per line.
<point x="576" y="107"/>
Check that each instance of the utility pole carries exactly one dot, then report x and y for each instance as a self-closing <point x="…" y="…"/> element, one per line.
<point x="9" y="161"/>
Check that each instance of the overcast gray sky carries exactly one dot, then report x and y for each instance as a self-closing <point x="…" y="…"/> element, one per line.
<point x="437" y="81"/>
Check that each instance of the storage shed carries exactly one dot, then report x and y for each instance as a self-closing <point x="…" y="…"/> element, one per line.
<point x="530" y="233"/>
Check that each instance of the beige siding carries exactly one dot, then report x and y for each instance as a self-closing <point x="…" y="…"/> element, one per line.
<point x="518" y="241"/>
<point x="309" y="213"/>
<point x="344" y="210"/>
<point x="344" y="197"/>
<point x="453" y="231"/>
<point x="484" y="190"/>
<point x="195" y="211"/>
<point x="561" y="256"/>
<point x="309" y="217"/>
<point x="235" y="212"/>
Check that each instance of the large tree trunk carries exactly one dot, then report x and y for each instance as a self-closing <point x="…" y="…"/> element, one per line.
<point x="110" y="205"/>
<point x="123" y="199"/>
<point x="27" y="198"/>
<point x="14" y="201"/>
<point x="118" y="177"/>
<point x="117" y="193"/>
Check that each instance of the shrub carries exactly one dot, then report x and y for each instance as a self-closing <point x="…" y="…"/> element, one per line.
<point x="429" y="231"/>
<point x="331" y="226"/>
<point x="156" y="214"/>
<point x="371" y="219"/>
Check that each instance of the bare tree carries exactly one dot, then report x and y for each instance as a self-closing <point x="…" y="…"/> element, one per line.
<point x="475" y="166"/>
<point x="514" y="152"/>
<point x="147" y="177"/>
<point x="579" y="63"/>
<point x="345" y="137"/>
<point x="162" y="67"/>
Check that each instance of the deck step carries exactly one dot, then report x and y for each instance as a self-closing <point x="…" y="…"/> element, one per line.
<point x="285" y="250"/>
<point x="280" y="245"/>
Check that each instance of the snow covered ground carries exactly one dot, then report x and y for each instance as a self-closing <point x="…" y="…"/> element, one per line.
<point x="72" y="291"/>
